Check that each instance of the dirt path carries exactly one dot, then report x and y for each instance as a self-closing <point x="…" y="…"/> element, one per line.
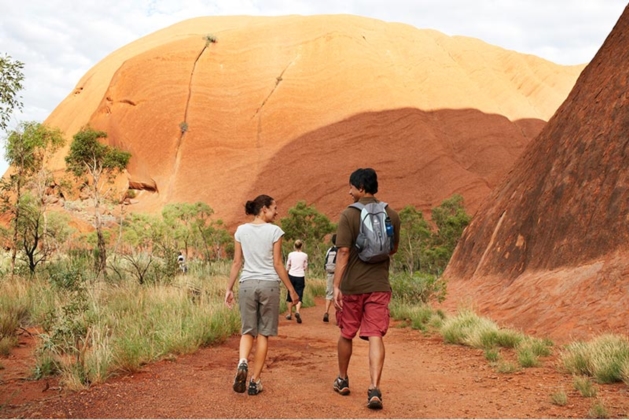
<point x="422" y="378"/>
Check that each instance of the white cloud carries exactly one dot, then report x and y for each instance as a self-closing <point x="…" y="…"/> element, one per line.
<point x="60" y="40"/>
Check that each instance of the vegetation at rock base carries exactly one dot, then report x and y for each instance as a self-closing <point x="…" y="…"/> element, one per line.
<point x="11" y="78"/>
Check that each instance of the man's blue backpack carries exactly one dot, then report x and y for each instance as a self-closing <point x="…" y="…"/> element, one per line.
<point x="375" y="238"/>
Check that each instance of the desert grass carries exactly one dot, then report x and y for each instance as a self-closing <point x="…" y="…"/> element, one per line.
<point x="598" y="411"/>
<point x="98" y="329"/>
<point x="492" y="355"/>
<point x="605" y="358"/>
<point x="559" y="398"/>
<point x="469" y="329"/>
<point x="417" y="316"/>
<point x="584" y="385"/>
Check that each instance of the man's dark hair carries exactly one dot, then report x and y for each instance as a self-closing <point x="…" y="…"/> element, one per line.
<point x="334" y="239"/>
<point x="366" y="179"/>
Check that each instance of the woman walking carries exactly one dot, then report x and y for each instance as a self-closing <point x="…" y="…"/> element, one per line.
<point x="296" y="265"/>
<point x="258" y="244"/>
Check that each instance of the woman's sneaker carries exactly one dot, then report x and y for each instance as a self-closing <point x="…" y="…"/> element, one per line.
<point x="255" y="387"/>
<point x="240" y="381"/>
<point x="341" y="385"/>
<point x="326" y="317"/>
<point x="288" y="317"/>
<point x="374" y="399"/>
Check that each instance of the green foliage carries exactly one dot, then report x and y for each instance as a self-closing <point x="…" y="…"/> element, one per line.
<point x="598" y="411"/>
<point x="492" y="355"/>
<point x="506" y="367"/>
<point x="26" y="150"/>
<point x="306" y="223"/>
<point x="11" y="78"/>
<point x="559" y="398"/>
<point x="417" y="287"/>
<point x="415" y="237"/>
<point x="90" y="161"/>
<point x="584" y="385"/>
<point x="604" y="358"/>
<point x="88" y="155"/>
<point x="210" y="39"/>
<point x="527" y="358"/>
<point x="39" y="236"/>
<point x="417" y="316"/>
<point x="427" y="248"/>
<point x="28" y="146"/>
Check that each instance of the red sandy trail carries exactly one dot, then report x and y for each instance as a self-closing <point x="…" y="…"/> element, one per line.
<point x="422" y="378"/>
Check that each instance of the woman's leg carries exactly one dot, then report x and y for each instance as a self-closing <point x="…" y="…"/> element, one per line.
<point x="246" y="344"/>
<point x="262" y="345"/>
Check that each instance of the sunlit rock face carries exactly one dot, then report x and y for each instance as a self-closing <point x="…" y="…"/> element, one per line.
<point x="547" y="250"/>
<point x="290" y="106"/>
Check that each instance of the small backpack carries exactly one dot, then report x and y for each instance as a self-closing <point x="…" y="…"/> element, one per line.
<point x="330" y="260"/>
<point x="374" y="241"/>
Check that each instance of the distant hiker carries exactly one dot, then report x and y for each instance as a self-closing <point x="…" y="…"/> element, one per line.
<point x="259" y="245"/>
<point x="181" y="260"/>
<point x="296" y="265"/>
<point x="330" y="265"/>
<point x="361" y="289"/>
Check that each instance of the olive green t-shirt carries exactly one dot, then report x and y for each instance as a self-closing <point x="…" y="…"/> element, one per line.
<point x="359" y="276"/>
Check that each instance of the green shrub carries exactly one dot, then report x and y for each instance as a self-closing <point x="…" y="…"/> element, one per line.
<point x="584" y="385"/>
<point x="559" y="398"/>
<point x="418" y="316"/>
<point x="506" y="367"/>
<point x="417" y="287"/>
<point x="527" y="358"/>
<point x="603" y="358"/>
<point x="598" y="411"/>
<point x="492" y="355"/>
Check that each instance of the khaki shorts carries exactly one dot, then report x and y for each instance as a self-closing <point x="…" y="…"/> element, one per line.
<point x="329" y="289"/>
<point x="259" y="302"/>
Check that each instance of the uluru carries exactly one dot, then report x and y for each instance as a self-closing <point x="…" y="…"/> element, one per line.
<point x="220" y="109"/>
<point x="548" y="249"/>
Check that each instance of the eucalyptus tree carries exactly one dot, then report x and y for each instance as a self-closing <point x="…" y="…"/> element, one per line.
<point x="96" y="164"/>
<point x="308" y="224"/>
<point x="27" y="149"/>
<point x="11" y="78"/>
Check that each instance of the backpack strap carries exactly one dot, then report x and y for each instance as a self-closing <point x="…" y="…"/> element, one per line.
<point x="358" y="205"/>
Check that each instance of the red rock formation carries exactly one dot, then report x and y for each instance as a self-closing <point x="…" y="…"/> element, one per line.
<point x="289" y="106"/>
<point x="547" y="250"/>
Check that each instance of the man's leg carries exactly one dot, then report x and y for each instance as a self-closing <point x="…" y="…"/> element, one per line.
<point x="376" y="360"/>
<point x="344" y="348"/>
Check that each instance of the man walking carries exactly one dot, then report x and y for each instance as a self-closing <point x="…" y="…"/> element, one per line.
<point x="361" y="289"/>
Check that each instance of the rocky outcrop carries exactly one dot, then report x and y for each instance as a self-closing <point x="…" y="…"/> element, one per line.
<point x="547" y="251"/>
<point x="290" y="106"/>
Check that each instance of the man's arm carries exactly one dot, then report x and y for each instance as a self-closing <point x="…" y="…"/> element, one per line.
<point x="342" y="258"/>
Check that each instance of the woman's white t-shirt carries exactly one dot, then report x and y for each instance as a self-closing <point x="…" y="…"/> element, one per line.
<point x="257" y="249"/>
<point x="297" y="263"/>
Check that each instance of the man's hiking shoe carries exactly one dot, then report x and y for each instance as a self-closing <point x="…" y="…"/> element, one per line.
<point x="326" y="318"/>
<point x="341" y="385"/>
<point x="255" y="387"/>
<point x="288" y="317"/>
<point x="240" y="381"/>
<point x="298" y="317"/>
<point x="374" y="399"/>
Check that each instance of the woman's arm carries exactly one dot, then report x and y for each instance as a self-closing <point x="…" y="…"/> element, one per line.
<point x="233" y="274"/>
<point x="281" y="271"/>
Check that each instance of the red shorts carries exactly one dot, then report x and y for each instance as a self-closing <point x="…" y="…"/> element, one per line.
<point x="368" y="312"/>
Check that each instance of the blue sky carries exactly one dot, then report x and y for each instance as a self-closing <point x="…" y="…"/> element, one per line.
<point x="60" y="40"/>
